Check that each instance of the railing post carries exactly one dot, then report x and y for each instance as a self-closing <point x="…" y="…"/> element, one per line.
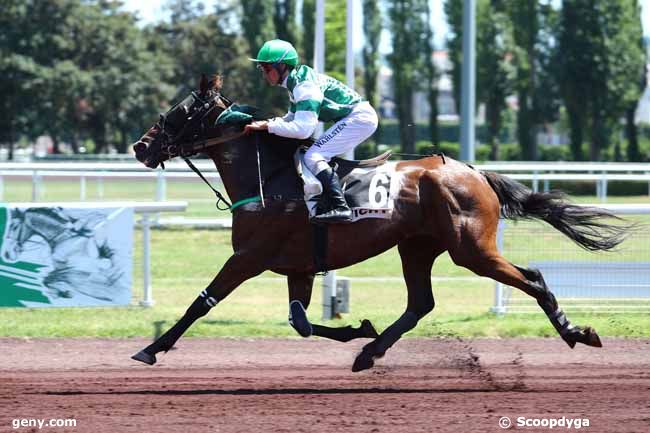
<point x="100" y="187"/>
<point x="36" y="185"/>
<point x="499" y="307"/>
<point x="147" y="301"/>
<point x="82" y="187"/>
<point x="161" y="186"/>
<point x="329" y="295"/>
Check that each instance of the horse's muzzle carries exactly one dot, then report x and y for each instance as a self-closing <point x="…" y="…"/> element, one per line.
<point x="144" y="154"/>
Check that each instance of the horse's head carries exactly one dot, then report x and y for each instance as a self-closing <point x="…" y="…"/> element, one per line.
<point x="190" y="120"/>
<point x="15" y="237"/>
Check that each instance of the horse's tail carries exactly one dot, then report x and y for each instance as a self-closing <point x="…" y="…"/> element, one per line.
<point x="582" y="224"/>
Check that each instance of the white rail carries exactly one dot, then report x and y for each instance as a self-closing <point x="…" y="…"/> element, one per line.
<point x="535" y="172"/>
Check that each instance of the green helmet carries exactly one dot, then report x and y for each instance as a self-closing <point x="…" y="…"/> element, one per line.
<point x="277" y="51"/>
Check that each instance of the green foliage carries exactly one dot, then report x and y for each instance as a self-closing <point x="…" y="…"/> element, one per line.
<point x="410" y="61"/>
<point x="495" y="72"/>
<point x="335" y="38"/>
<point x="284" y="19"/>
<point x="601" y="66"/>
<point x="309" y="27"/>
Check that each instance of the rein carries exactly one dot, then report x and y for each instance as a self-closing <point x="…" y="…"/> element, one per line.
<point x="192" y="147"/>
<point x="220" y="197"/>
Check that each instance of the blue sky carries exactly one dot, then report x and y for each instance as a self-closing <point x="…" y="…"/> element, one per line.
<point x="151" y="11"/>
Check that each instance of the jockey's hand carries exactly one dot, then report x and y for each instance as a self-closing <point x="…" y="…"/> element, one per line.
<point x="258" y="125"/>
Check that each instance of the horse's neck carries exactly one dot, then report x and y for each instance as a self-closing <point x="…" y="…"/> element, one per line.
<point x="237" y="162"/>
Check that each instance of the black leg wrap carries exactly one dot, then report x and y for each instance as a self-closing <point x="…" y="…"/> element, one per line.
<point x="343" y="334"/>
<point x="346" y="333"/>
<point x="298" y="319"/>
<point x="201" y="306"/>
<point x="560" y="322"/>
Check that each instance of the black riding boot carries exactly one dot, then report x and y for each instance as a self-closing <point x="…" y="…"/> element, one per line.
<point x="340" y="211"/>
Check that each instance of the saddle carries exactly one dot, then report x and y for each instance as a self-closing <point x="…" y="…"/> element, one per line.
<point x="366" y="185"/>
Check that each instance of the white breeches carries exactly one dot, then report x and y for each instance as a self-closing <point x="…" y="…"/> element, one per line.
<point x="343" y="136"/>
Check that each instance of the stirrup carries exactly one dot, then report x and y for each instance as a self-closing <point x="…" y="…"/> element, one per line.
<point x="335" y="215"/>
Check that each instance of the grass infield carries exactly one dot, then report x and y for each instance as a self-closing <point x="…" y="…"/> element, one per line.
<point x="185" y="261"/>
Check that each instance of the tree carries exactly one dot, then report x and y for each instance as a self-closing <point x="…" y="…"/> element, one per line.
<point x="525" y="25"/>
<point x="257" y="25"/>
<point x="32" y="39"/>
<point x="454" y="12"/>
<point x="308" y="28"/>
<point x="429" y="75"/>
<point x="577" y="68"/>
<point x="403" y="63"/>
<point x="284" y="19"/>
<point x="335" y="38"/>
<point x="370" y="53"/>
<point x="600" y="69"/>
<point x="494" y="70"/>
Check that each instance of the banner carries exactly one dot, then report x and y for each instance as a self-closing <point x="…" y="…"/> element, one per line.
<point x="54" y="256"/>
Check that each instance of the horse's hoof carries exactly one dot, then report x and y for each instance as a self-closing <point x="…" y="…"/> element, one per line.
<point x="591" y="338"/>
<point x="368" y="329"/>
<point x="145" y="357"/>
<point x="298" y="319"/>
<point x="586" y="336"/>
<point x="363" y="361"/>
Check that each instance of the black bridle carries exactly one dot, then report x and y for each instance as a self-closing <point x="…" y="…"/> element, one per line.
<point x="190" y="139"/>
<point x="183" y="142"/>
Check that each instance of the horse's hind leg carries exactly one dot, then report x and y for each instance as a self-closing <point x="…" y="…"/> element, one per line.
<point x="487" y="262"/>
<point x="418" y="255"/>
<point x="300" y="287"/>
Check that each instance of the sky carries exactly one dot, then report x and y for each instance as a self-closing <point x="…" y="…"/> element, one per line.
<point x="151" y="11"/>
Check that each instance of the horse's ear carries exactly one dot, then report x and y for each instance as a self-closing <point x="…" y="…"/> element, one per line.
<point x="216" y="82"/>
<point x="203" y="84"/>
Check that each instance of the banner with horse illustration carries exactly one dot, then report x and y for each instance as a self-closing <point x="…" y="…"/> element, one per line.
<point x="55" y="256"/>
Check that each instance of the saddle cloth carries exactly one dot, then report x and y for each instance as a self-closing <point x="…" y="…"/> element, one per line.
<point x="370" y="192"/>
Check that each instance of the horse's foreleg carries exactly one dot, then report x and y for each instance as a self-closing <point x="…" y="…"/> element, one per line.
<point x="300" y="288"/>
<point x="418" y="255"/>
<point x="237" y="269"/>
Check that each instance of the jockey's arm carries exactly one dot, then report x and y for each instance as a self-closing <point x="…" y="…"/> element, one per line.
<point x="308" y="97"/>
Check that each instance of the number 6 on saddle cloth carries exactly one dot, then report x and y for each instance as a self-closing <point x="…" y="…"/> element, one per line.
<point x="369" y="192"/>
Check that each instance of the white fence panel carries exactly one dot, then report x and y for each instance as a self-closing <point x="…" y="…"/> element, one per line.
<point x="612" y="281"/>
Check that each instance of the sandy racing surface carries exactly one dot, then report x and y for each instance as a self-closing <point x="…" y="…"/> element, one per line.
<point x="293" y="385"/>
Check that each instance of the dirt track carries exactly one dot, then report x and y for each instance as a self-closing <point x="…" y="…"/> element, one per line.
<point x="291" y="385"/>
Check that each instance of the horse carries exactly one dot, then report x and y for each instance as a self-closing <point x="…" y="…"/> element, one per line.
<point x="76" y="259"/>
<point x="440" y="205"/>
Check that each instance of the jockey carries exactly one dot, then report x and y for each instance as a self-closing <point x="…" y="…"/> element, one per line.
<point x="315" y="97"/>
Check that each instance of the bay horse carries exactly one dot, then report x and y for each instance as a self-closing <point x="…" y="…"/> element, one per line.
<point x="441" y="205"/>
